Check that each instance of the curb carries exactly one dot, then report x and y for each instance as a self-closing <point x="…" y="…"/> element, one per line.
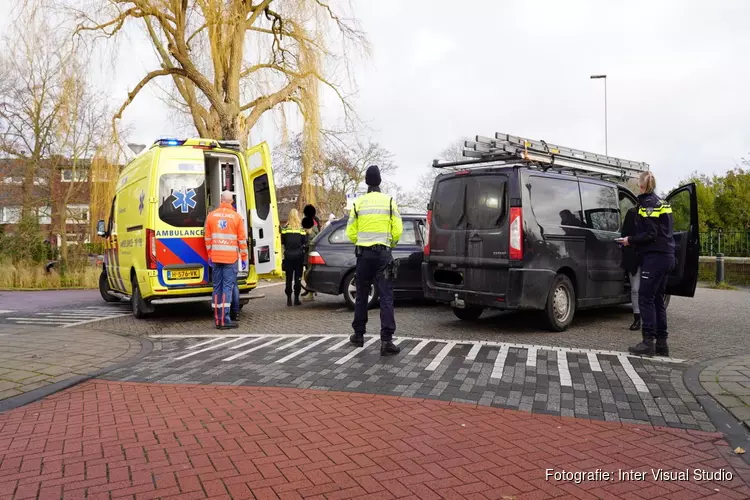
<point x="29" y="397"/>
<point x="734" y="431"/>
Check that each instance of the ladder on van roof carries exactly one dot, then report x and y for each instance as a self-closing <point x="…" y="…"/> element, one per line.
<point x="510" y="149"/>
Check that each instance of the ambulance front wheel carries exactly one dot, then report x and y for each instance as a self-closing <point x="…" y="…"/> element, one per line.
<point x="104" y="288"/>
<point x="140" y="307"/>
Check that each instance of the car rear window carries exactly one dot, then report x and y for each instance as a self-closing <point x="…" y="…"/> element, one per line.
<point x="182" y="199"/>
<point x="470" y="202"/>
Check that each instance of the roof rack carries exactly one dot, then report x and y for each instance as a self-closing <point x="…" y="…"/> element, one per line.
<point x="506" y="149"/>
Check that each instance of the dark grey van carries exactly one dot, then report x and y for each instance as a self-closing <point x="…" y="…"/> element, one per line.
<point x="520" y="237"/>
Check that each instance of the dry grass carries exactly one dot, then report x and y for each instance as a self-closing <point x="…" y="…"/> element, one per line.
<point x="30" y="275"/>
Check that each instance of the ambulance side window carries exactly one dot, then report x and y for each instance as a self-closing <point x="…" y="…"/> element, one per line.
<point x="262" y="196"/>
<point x="111" y="223"/>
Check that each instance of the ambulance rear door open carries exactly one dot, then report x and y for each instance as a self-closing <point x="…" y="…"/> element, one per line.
<point x="264" y="217"/>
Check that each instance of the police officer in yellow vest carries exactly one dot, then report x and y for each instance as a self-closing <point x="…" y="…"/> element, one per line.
<point x="374" y="227"/>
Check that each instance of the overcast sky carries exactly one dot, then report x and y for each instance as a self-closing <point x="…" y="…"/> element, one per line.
<point x="677" y="79"/>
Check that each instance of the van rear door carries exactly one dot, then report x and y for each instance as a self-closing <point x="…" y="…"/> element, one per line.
<point x="469" y="231"/>
<point x="264" y="216"/>
<point x="181" y="257"/>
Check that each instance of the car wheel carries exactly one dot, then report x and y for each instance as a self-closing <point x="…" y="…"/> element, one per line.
<point x="104" y="288"/>
<point x="470" y="313"/>
<point x="350" y="292"/>
<point x="561" y="304"/>
<point x="139" y="305"/>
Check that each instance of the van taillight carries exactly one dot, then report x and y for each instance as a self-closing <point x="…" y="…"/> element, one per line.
<point x="516" y="233"/>
<point x="150" y="249"/>
<point x="429" y="223"/>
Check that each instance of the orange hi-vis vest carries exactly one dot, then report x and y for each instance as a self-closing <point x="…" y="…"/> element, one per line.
<point x="225" y="235"/>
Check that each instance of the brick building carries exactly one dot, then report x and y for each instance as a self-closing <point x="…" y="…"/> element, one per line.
<point x="59" y="191"/>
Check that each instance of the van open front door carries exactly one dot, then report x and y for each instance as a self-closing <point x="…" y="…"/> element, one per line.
<point x="684" y="278"/>
<point x="263" y="233"/>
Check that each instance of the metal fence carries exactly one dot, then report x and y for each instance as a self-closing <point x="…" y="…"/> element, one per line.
<point x="729" y="243"/>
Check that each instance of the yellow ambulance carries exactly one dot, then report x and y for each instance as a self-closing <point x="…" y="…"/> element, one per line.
<point x="154" y="248"/>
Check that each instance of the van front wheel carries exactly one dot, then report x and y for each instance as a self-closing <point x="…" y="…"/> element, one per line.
<point x="561" y="304"/>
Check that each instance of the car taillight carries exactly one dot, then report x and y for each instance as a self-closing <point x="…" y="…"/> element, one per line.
<point x="516" y="233"/>
<point x="429" y="223"/>
<point x="150" y="249"/>
<point x="315" y="259"/>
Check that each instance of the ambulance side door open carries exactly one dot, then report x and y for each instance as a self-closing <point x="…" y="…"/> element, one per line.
<point x="684" y="277"/>
<point x="264" y="219"/>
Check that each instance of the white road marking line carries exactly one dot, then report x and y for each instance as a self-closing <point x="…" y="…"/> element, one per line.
<point x="251" y="341"/>
<point x="397" y="341"/>
<point x="257" y="347"/>
<point x="497" y="369"/>
<point x="43" y="320"/>
<point x="293" y="342"/>
<point x="268" y="286"/>
<point x="212" y="346"/>
<point x="30" y="322"/>
<point x="339" y="344"/>
<point x="640" y="385"/>
<point x="72" y="316"/>
<point x="474" y="351"/>
<point x="99" y="319"/>
<point x="204" y="343"/>
<point x="6" y="311"/>
<point x="531" y="357"/>
<point x="656" y="359"/>
<point x="304" y="349"/>
<point x="562" y="368"/>
<point x="440" y="356"/>
<point x="418" y="347"/>
<point x="594" y="362"/>
<point x="356" y="351"/>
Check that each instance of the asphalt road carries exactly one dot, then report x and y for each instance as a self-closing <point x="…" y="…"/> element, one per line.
<point x="714" y="323"/>
<point x="48" y="299"/>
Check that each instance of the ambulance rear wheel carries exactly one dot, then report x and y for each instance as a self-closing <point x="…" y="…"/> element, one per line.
<point x="139" y="305"/>
<point x="104" y="288"/>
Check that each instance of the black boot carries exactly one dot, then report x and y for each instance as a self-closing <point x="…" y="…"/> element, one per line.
<point x="662" y="349"/>
<point x="636" y="323"/>
<point x="357" y="340"/>
<point x="389" y="348"/>
<point x="289" y="300"/>
<point x="296" y="300"/>
<point x="645" y="348"/>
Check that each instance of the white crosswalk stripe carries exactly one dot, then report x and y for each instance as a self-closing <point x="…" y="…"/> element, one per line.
<point x="317" y="345"/>
<point x="66" y="318"/>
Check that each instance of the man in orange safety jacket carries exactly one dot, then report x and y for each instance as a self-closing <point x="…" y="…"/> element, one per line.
<point x="226" y="241"/>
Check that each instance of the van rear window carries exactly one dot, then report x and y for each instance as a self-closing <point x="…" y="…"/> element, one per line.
<point x="182" y="199"/>
<point x="470" y="202"/>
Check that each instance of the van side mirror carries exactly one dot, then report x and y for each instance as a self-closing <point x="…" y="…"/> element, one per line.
<point x="100" y="229"/>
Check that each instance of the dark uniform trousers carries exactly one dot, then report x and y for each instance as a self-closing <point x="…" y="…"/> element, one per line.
<point x="293" y="269"/>
<point x="654" y="274"/>
<point x="372" y="263"/>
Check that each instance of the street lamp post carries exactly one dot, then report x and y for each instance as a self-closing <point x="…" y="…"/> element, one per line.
<point x="604" y="77"/>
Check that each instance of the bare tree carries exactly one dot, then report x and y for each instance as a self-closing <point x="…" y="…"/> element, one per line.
<point x="419" y="197"/>
<point x="32" y="65"/>
<point x="231" y="61"/>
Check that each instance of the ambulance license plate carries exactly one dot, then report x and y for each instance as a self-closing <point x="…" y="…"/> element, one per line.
<point x="184" y="275"/>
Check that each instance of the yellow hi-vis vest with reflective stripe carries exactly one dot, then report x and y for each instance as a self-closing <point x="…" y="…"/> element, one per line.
<point x="374" y="220"/>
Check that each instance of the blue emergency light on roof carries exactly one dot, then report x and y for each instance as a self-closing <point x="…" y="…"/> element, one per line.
<point x="170" y="141"/>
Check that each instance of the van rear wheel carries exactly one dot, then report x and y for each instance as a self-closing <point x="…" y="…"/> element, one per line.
<point x="470" y="313"/>
<point x="561" y="304"/>
<point x="139" y="305"/>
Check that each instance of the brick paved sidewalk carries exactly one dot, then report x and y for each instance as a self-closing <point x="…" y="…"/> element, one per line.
<point x="127" y="440"/>
<point x="33" y="357"/>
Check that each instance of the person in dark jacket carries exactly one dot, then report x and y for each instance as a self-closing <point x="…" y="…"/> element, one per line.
<point x="632" y="265"/>
<point x="654" y="241"/>
<point x="294" y="241"/>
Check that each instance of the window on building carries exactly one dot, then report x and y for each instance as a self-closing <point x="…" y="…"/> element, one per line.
<point x="40" y="181"/>
<point x="45" y="215"/>
<point x="75" y="239"/>
<point x="13" y="180"/>
<point x="74" y="175"/>
<point x="77" y="214"/>
<point x="10" y="215"/>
